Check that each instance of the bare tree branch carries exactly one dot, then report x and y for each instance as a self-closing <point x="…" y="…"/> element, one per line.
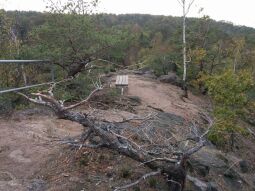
<point x="34" y="100"/>
<point x="175" y="182"/>
<point x="251" y="132"/>
<point x="181" y="3"/>
<point x="202" y="140"/>
<point x="188" y="9"/>
<point x="83" y="101"/>
<point x="160" y="159"/>
<point x="75" y="144"/>
<point x="150" y="116"/>
<point x="138" y="181"/>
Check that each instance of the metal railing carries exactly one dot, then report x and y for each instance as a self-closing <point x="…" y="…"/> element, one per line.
<point x="22" y="62"/>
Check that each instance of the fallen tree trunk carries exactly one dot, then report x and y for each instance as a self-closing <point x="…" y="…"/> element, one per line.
<point x="172" y="168"/>
<point x="163" y="158"/>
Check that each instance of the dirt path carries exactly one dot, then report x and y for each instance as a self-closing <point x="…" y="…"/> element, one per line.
<point x="164" y="96"/>
<point x="25" y="145"/>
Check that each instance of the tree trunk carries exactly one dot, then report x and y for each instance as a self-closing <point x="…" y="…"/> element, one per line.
<point x="184" y="86"/>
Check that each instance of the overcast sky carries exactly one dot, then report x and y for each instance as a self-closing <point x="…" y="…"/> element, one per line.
<point x="240" y="12"/>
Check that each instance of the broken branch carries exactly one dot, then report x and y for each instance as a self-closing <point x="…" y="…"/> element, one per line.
<point x="138" y="181"/>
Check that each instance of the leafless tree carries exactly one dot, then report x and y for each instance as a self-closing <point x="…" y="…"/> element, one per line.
<point x="185" y="10"/>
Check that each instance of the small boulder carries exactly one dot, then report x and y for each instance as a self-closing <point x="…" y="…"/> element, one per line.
<point x="135" y="100"/>
<point x="146" y="72"/>
<point x="171" y="78"/>
<point x="95" y="140"/>
<point x="37" y="185"/>
<point x="244" y="166"/>
<point x="232" y="174"/>
<point x="212" y="186"/>
<point x="202" y="170"/>
<point x="149" y="74"/>
<point x="208" y="159"/>
<point x="194" y="184"/>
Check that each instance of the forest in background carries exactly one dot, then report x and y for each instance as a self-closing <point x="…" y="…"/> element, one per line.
<point x="141" y="40"/>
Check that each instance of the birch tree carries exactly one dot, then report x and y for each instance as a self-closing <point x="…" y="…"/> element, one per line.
<point x="185" y="10"/>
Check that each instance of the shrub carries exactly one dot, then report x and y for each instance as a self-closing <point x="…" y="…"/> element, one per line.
<point x="229" y="92"/>
<point x="152" y="182"/>
<point x="125" y="172"/>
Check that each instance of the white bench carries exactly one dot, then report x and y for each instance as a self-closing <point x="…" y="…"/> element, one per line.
<point x="121" y="81"/>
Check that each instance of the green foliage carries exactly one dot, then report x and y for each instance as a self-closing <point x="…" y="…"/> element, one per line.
<point x="112" y="93"/>
<point x="67" y="39"/>
<point x="152" y="182"/>
<point x="125" y="172"/>
<point x="229" y="92"/>
<point x="8" y="47"/>
<point x="10" y="102"/>
<point x="130" y="39"/>
<point x="6" y="105"/>
<point x="64" y="35"/>
<point x="75" y="90"/>
<point x="160" y="65"/>
<point x="21" y="106"/>
<point x="225" y="125"/>
<point x="230" y="89"/>
<point x="84" y="161"/>
<point x="136" y="188"/>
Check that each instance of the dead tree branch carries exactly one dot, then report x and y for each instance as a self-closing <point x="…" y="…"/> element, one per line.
<point x="85" y="100"/>
<point x="139" y="180"/>
<point x="189" y="6"/>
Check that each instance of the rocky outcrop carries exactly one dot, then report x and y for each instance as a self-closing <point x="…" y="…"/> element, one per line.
<point x="210" y="169"/>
